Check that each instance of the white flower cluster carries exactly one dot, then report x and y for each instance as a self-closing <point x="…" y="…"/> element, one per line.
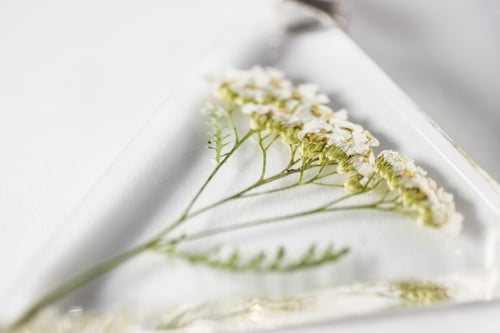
<point x="418" y="192"/>
<point x="258" y="85"/>
<point x="300" y="115"/>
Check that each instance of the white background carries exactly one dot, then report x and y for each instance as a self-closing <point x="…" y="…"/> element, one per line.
<point x="78" y="79"/>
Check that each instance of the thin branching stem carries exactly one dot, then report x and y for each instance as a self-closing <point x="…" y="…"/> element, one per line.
<point x="104" y="267"/>
<point x="286" y="172"/>
<point x="303" y="169"/>
<point x="264" y="155"/>
<point x="273" y="190"/>
<point x="79" y="280"/>
<point x="293" y="152"/>
<point x="307" y="162"/>
<point x="229" y="114"/>
<point x="188" y="208"/>
<point x="278" y="219"/>
<point x="310" y="181"/>
<point x="275" y="137"/>
<point x="328" y="174"/>
<point x="328" y="184"/>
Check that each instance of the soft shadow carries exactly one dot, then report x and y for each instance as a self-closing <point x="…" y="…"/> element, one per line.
<point x="140" y="212"/>
<point x="145" y="205"/>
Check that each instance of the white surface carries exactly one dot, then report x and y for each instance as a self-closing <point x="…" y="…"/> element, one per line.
<point x="76" y="83"/>
<point x="121" y="203"/>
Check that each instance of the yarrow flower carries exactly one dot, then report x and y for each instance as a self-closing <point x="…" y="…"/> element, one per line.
<point x="322" y="143"/>
<point x="418" y="192"/>
<point x="299" y="115"/>
<point x="258" y="85"/>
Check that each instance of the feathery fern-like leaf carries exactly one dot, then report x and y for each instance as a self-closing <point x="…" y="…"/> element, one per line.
<point x="219" y="138"/>
<point x="260" y="262"/>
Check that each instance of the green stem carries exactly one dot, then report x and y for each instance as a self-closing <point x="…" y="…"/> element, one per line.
<point x="264" y="156"/>
<point x="269" y="220"/>
<point x="260" y="182"/>
<point x="274" y="190"/>
<point x="321" y="209"/>
<point x="335" y="172"/>
<point x="276" y="137"/>
<point x="302" y="170"/>
<point x="81" y="279"/>
<point x="240" y="194"/>
<point x="293" y="185"/>
<point x="327" y="184"/>
<point x="214" y="172"/>
<point x="104" y="267"/>
<point x="229" y="115"/>
<point x="185" y="214"/>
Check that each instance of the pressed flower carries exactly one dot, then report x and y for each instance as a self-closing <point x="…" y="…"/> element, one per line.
<point x="418" y="192"/>
<point x="258" y="85"/>
<point x="420" y="291"/>
<point x="300" y="116"/>
<point x="322" y="143"/>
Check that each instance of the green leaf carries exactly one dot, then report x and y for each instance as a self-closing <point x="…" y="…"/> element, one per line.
<point x="219" y="138"/>
<point x="258" y="262"/>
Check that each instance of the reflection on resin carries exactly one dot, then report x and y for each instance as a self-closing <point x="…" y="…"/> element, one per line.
<point x="323" y="150"/>
<point x="243" y="314"/>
